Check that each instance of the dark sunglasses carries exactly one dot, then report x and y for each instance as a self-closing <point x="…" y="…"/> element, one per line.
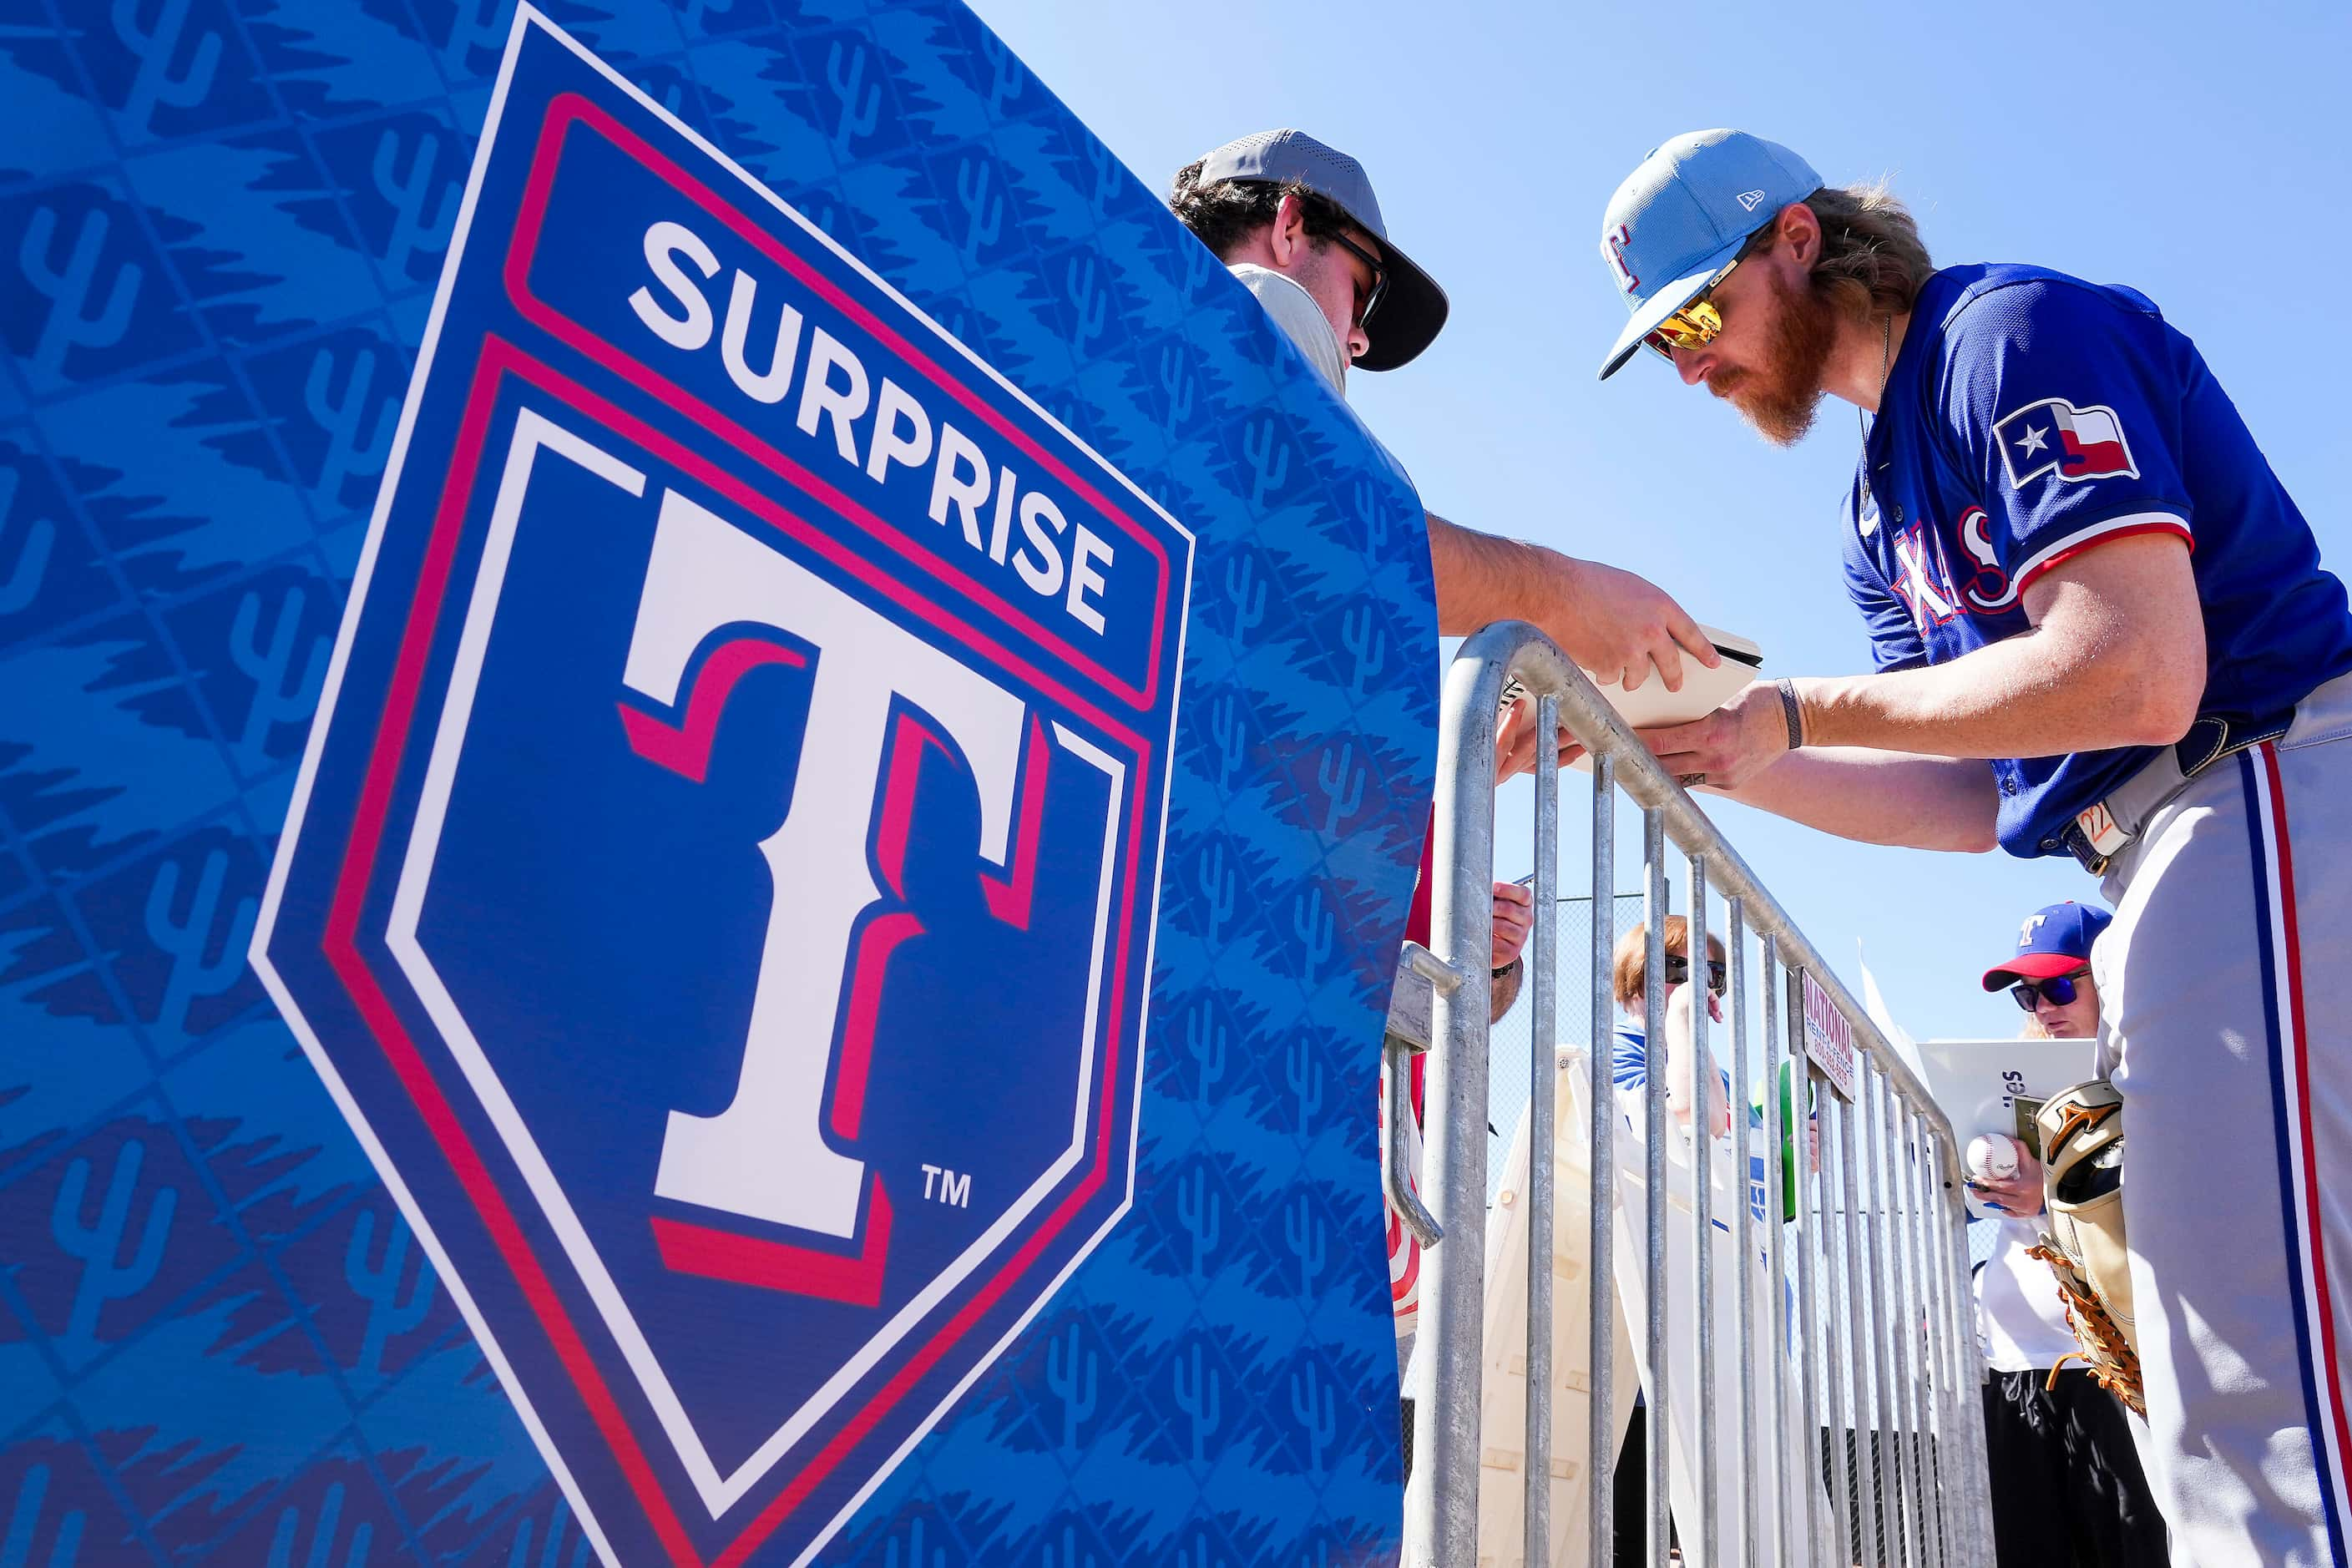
<point x="1367" y="303"/>
<point x="2060" y="989"/>
<point x="1678" y="971"/>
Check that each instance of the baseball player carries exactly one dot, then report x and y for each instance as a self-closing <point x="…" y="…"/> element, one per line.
<point x="2101" y="629"/>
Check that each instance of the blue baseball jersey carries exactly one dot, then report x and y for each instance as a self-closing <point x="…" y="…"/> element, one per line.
<point x="2030" y="416"/>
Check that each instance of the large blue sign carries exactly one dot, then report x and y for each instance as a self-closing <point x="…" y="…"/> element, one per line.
<point x="816" y="981"/>
<point x="720" y="892"/>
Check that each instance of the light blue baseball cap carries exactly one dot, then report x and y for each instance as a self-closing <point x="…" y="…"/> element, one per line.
<point x="1680" y="218"/>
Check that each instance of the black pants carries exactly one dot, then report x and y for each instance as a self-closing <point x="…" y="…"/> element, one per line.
<point x="1630" y="1510"/>
<point x="1630" y="1490"/>
<point x="2066" y="1481"/>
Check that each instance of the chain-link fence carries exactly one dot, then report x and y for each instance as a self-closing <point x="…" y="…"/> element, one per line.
<point x="1514" y="1033"/>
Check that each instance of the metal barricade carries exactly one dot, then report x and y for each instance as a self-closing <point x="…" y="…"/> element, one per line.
<point x="1869" y="1345"/>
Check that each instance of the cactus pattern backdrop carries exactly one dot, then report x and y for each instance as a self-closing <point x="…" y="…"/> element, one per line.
<point x="221" y="226"/>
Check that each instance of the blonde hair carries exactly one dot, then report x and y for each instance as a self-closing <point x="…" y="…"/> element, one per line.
<point x="1626" y="966"/>
<point x="1872" y="261"/>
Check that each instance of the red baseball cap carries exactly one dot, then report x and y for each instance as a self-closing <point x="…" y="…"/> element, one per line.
<point x="2053" y="941"/>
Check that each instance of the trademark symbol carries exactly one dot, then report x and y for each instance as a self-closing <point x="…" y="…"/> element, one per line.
<point x="954" y="1188"/>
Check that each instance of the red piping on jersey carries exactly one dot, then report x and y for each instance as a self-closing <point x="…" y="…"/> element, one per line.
<point x="2176" y="530"/>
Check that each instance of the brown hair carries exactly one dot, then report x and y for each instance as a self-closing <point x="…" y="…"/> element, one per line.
<point x="1872" y="261"/>
<point x="1222" y="214"/>
<point x="1626" y="964"/>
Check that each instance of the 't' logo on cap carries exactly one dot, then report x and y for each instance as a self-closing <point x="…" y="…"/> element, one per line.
<point x="1612" y="249"/>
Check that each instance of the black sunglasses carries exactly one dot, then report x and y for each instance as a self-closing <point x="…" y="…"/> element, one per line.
<point x="1371" y="301"/>
<point x="1678" y="971"/>
<point x="2060" y="989"/>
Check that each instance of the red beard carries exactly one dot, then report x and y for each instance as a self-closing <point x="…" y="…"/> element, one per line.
<point x="1781" y="398"/>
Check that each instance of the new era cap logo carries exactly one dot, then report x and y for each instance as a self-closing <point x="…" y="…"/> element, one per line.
<point x="1751" y="200"/>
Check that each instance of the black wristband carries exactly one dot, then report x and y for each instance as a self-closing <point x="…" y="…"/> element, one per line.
<point x="1791" y="712"/>
<point x="1498" y="973"/>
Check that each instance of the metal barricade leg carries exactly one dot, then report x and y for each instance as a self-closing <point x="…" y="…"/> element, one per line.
<point x="1968" y="1373"/>
<point x="1654" y="1129"/>
<point x="1936" y="1455"/>
<point x="1893" y="1326"/>
<point x="1543" y="1074"/>
<point x="1702" y="1147"/>
<point x="1601" y="1259"/>
<point x="1815" y="1330"/>
<point x="1783" y="1174"/>
<point x="1442" y="1500"/>
<point x="1922" y="1338"/>
<point x="1744" y="1234"/>
<point x="1844" y="1328"/>
<point x="1853" y="1147"/>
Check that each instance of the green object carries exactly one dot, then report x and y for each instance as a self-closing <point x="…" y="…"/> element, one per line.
<point x="1787" y="1121"/>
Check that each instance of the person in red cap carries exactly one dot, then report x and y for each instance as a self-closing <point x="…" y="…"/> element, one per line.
<point x="2050" y="972"/>
<point x="2067" y="1485"/>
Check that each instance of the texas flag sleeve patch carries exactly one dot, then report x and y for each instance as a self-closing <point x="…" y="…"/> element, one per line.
<point x="2054" y="437"/>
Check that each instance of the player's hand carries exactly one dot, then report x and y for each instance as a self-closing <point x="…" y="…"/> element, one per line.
<point x="1514" y="914"/>
<point x="1516" y="744"/>
<point x="1730" y="745"/>
<point x="2020" y="1194"/>
<point x="1616" y="626"/>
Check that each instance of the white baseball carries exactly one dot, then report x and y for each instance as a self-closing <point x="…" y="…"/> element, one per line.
<point x="1993" y="1158"/>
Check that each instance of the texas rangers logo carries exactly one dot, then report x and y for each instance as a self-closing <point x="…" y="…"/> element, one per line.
<point x="720" y="889"/>
<point x="1612" y="251"/>
<point x="2054" y="437"/>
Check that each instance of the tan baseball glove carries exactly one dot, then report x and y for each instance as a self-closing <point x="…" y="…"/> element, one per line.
<point x="2082" y="1130"/>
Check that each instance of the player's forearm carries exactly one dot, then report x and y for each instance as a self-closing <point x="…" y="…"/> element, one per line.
<point x="2116" y="658"/>
<point x="1881" y="797"/>
<point x="1482" y="579"/>
<point x="2006" y="701"/>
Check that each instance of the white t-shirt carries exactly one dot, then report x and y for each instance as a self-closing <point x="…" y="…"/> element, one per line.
<point x="2020" y="1317"/>
<point x="1294" y="310"/>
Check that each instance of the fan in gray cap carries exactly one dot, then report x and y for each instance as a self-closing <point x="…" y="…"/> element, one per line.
<point x="1412" y="308"/>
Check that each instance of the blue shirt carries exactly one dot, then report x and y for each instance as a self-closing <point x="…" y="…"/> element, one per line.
<point x="1629" y="1063"/>
<point x="1629" y="1059"/>
<point x="2030" y="416"/>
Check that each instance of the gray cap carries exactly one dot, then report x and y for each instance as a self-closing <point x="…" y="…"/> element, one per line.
<point x="1413" y="308"/>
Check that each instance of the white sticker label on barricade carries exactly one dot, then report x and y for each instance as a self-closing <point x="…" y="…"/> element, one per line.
<point x="1828" y="1039"/>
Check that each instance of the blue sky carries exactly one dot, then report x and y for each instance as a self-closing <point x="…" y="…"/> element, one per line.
<point x="2196" y="154"/>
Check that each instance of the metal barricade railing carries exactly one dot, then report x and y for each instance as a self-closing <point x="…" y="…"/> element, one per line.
<point x="1871" y="1260"/>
